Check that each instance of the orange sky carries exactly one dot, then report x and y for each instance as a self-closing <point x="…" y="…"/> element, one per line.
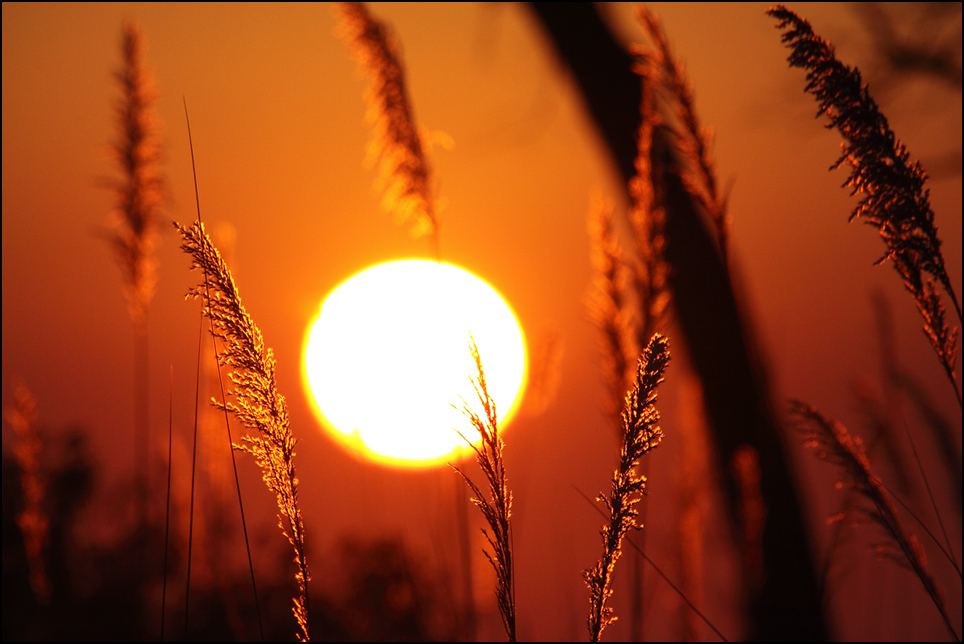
<point x="277" y="113"/>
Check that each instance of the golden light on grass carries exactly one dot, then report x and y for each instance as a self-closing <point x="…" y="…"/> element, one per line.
<point x="386" y="360"/>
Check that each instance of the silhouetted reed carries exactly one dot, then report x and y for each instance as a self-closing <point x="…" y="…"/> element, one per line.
<point x="497" y="506"/>
<point x="835" y="445"/>
<point x="894" y="199"/>
<point x="396" y="141"/>
<point x="257" y="403"/>
<point x="641" y="433"/>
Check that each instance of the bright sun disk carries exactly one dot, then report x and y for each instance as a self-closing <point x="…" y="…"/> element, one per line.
<point x="388" y="357"/>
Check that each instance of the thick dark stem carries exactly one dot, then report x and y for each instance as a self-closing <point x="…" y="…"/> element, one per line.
<point x="787" y="606"/>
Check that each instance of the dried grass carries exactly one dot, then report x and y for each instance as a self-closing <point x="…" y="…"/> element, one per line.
<point x="648" y="217"/>
<point x="894" y="199"/>
<point x="497" y="506"/>
<point x="134" y="224"/>
<point x="660" y="70"/>
<point x="396" y="141"/>
<point x="835" y="445"/>
<point x="140" y="193"/>
<point x="257" y="403"/>
<point x="609" y="307"/>
<point x="641" y="433"/>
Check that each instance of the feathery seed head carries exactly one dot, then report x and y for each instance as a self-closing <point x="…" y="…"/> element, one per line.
<point x="641" y="433"/>
<point x="257" y="403"/>
<point x="496" y="507"/>
<point x="893" y="197"/>
<point x="396" y="142"/>
<point x="835" y="445"/>
<point x="140" y="193"/>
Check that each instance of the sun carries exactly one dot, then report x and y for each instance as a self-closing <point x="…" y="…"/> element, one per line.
<point x="388" y="357"/>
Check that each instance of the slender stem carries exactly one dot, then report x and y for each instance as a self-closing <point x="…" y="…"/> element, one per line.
<point x="916" y="565"/>
<point x="227" y="423"/>
<point x="924" y="526"/>
<point x="656" y="568"/>
<point x="675" y="588"/>
<point x="237" y="483"/>
<point x="930" y="495"/>
<point x="190" y="530"/>
<point x="167" y="510"/>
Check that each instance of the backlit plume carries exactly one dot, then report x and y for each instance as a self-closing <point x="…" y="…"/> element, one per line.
<point x="140" y="192"/>
<point x="396" y="142"/>
<point x="257" y="403"/>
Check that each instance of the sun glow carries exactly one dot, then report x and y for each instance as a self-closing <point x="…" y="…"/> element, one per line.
<point x="388" y="357"/>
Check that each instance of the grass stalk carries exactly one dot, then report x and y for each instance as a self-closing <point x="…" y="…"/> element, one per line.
<point x="947" y="555"/>
<point x="237" y="485"/>
<point x="134" y="224"/>
<point x="838" y="534"/>
<point x="257" y="403"/>
<point x="190" y="529"/>
<point x="140" y="193"/>
<point x="641" y="552"/>
<point x="835" y="445"/>
<point x="648" y="216"/>
<point x="641" y="433"/>
<point x="691" y="465"/>
<point x="894" y="198"/>
<point x="930" y="495"/>
<point x="692" y="139"/>
<point x="497" y="506"/>
<point x="397" y="144"/>
<point x="897" y="380"/>
<point x="223" y="402"/>
<point x="608" y="307"/>
<point x="940" y="427"/>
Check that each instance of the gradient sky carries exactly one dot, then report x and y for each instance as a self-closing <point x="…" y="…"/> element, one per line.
<point x="277" y="114"/>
